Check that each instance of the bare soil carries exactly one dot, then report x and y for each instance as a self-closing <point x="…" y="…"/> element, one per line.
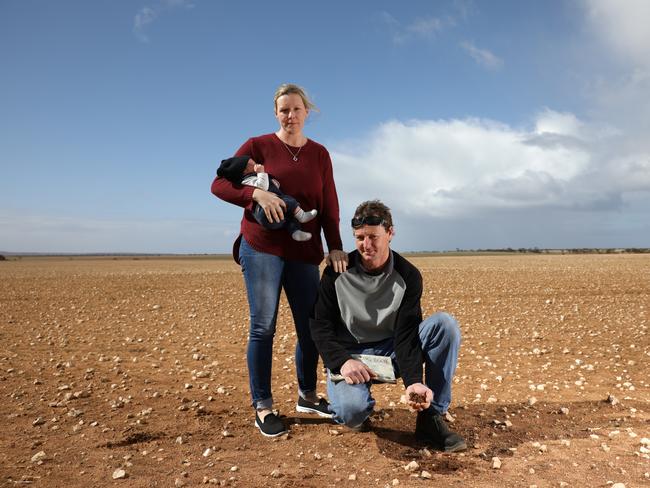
<point x="139" y="365"/>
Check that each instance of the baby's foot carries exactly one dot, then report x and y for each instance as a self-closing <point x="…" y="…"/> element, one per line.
<point x="300" y="235"/>
<point x="302" y="216"/>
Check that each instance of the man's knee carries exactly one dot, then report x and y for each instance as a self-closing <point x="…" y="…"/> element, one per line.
<point x="353" y="414"/>
<point x="440" y="328"/>
<point x="352" y="406"/>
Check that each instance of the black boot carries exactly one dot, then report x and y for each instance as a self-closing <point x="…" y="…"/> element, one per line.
<point x="432" y="429"/>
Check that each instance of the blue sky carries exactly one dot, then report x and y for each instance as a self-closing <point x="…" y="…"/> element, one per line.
<point x="480" y="123"/>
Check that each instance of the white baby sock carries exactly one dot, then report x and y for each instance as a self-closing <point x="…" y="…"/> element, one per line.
<point x="302" y="216"/>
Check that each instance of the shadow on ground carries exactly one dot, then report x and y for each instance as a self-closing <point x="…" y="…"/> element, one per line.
<point x="487" y="434"/>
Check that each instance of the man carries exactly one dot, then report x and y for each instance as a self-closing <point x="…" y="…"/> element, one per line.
<point x="374" y="308"/>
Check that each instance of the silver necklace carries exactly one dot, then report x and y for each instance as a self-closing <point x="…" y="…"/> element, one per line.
<point x="293" y="156"/>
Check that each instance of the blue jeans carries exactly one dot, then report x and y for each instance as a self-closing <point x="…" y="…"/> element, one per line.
<point x="265" y="275"/>
<point x="440" y="340"/>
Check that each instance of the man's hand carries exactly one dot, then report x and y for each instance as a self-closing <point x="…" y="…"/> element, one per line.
<point x="421" y="390"/>
<point x="258" y="168"/>
<point x="272" y="205"/>
<point x="355" y="372"/>
<point x="338" y="259"/>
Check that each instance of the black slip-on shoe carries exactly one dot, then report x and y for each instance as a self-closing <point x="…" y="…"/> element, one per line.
<point x="365" y="426"/>
<point x="321" y="408"/>
<point x="272" y="426"/>
<point x="432" y="429"/>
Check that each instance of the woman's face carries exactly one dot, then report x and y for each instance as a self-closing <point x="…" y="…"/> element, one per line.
<point x="291" y="113"/>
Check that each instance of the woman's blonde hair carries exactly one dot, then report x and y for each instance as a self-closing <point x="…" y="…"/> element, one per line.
<point x="289" y="89"/>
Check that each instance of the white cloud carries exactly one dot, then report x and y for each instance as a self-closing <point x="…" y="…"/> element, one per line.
<point x="482" y="56"/>
<point x="462" y="168"/>
<point x="143" y="18"/>
<point x="620" y="91"/>
<point x="148" y="14"/>
<point x="623" y="26"/>
<point x="425" y="27"/>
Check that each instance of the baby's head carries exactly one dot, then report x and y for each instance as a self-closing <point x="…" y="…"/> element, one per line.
<point x="253" y="167"/>
<point x="250" y="167"/>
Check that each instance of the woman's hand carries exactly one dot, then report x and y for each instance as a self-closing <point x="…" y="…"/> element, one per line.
<point x="272" y="205"/>
<point x="338" y="260"/>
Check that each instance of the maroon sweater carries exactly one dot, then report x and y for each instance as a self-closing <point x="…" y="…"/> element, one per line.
<point x="310" y="181"/>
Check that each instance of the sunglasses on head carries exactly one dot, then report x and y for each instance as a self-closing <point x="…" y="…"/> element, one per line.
<point x="367" y="220"/>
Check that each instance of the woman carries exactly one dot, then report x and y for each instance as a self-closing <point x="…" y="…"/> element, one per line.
<point x="272" y="260"/>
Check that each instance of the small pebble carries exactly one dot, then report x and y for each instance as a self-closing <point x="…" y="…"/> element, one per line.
<point x="412" y="466"/>
<point x="39" y="456"/>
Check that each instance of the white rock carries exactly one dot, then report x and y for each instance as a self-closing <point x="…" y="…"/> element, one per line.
<point x="352" y="477"/>
<point x="618" y="485"/>
<point x="412" y="466"/>
<point x="275" y="473"/>
<point x="39" y="456"/>
<point x="532" y="401"/>
<point x="425" y="474"/>
<point x="207" y="452"/>
<point x="119" y="474"/>
<point x="496" y="463"/>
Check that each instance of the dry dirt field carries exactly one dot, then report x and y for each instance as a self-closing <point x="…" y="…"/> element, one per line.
<point x="139" y="365"/>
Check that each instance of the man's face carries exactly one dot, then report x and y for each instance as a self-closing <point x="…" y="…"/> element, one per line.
<point x="373" y="244"/>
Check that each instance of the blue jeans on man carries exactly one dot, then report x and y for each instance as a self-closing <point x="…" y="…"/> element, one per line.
<point x="440" y="341"/>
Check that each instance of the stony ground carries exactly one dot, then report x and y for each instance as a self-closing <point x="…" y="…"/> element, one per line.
<point x="135" y="369"/>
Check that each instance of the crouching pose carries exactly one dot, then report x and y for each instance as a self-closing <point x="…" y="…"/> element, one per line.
<point x="374" y="308"/>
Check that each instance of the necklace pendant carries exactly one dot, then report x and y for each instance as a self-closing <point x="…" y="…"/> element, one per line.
<point x="295" y="158"/>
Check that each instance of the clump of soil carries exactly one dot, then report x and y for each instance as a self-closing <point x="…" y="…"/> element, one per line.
<point x="417" y="398"/>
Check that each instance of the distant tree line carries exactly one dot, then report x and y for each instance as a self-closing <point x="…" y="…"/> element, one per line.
<point x="577" y="250"/>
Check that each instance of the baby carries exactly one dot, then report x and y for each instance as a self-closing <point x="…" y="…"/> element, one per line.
<point x="243" y="170"/>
